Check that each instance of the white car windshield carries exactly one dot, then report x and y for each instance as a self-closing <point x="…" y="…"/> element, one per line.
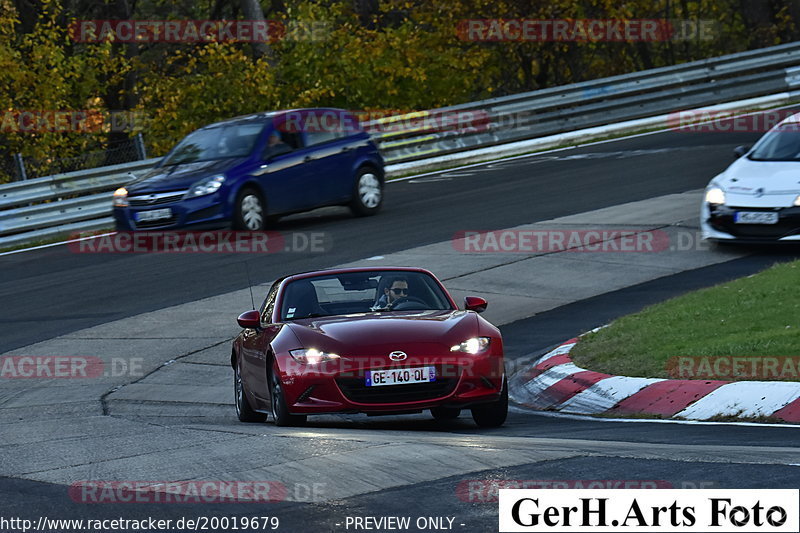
<point x="780" y="144"/>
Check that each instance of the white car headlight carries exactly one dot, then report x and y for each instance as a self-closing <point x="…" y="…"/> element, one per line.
<point x="472" y="346"/>
<point x="797" y="201"/>
<point x="715" y="195"/>
<point x="121" y="197"/>
<point x="312" y="356"/>
<point x="206" y="186"/>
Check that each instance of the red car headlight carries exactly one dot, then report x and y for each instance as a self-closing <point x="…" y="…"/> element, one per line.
<point x="472" y="346"/>
<point x="312" y="356"/>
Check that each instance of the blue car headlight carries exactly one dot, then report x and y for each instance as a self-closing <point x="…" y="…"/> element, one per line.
<point x="205" y="186"/>
<point x="121" y="197"/>
<point x="472" y="346"/>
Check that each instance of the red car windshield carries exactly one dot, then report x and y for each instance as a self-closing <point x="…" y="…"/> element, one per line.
<point x="362" y="292"/>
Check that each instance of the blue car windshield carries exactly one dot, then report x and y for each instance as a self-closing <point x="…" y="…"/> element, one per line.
<point x="780" y="144"/>
<point x="219" y="142"/>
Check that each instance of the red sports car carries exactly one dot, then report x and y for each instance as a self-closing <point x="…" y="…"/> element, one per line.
<point x="368" y="340"/>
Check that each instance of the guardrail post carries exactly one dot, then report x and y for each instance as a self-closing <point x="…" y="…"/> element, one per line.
<point x="22" y="174"/>
<point x="140" y="149"/>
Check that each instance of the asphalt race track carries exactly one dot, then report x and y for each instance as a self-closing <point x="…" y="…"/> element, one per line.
<point x="354" y="466"/>
<point x="53" y="291"/>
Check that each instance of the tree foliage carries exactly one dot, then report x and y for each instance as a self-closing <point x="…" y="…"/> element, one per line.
<point x="356" y="54"/>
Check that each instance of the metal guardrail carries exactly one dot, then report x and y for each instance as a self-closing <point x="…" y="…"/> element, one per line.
<point x="598" y="102"/>
<point x="61" y="204"/>
<point x="81" y="201"/>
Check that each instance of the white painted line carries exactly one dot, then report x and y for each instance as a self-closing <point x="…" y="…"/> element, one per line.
<point x="743" y="398"/>
<point x="41" y="246"/>
<point x="605" y="394"/>
<point x="374" y="258"/>
<point x="510" y="158"/>
<point x="430" y="179"/>
<point x="587" y="418"/>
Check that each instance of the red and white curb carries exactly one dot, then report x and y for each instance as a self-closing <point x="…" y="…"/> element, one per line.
<point x="555" y="383"/>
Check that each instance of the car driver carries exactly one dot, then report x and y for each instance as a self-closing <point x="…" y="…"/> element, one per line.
<point x="397" y="289"/>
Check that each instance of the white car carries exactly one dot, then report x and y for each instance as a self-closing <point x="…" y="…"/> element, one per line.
<point x="757" y="198"/>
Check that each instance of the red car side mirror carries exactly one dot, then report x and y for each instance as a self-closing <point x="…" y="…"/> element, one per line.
<point x="249" y="319"/>
<point x="473" y="303"/>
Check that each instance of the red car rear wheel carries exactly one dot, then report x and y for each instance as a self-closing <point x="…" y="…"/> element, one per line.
<point x="243" y="409"/>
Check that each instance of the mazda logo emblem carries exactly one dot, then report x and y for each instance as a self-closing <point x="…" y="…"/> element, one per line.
<point x="759" y="192"/>
<point x="398" y="356"/>
<point x="152" y="198"/>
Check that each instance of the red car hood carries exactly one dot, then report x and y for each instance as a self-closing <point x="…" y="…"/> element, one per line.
<point x="418" y="333"/>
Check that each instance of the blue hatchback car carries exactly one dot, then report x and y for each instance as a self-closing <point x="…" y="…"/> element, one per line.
<point x="248" y="171"/>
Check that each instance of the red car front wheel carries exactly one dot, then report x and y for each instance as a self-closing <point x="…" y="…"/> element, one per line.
<point x="280" y="410"/>
<point x="492" y="415"/>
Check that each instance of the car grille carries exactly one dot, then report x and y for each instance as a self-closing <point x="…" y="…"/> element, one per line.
<point x="772" y="231"/>
<point x="788" y="223"/>
<point x="354" y="390"/>
<point x="155" y="199"/>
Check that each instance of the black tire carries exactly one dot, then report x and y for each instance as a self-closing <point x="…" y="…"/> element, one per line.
<point x="367" y="193"/>
<point x="445" y="413"/>
<point x="723" y="245"/>
<point x="492" y="415"/>
<point x="280" y="411"/>
<point x="243" y="409"/>
<point x="250" y="213"/>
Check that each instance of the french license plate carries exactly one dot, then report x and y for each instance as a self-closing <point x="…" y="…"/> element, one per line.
<point x="755" y="217"/>
<point x="155" y="214"/>
<point x="400" y="376"/>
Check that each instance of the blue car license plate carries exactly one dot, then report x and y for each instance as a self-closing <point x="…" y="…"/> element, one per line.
<point x="155" y="214"/>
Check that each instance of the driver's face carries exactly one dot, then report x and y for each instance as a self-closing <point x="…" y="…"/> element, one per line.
<point x="399" y="289"/>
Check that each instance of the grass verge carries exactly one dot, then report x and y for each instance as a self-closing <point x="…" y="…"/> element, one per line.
<point x="753" y="317"/>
